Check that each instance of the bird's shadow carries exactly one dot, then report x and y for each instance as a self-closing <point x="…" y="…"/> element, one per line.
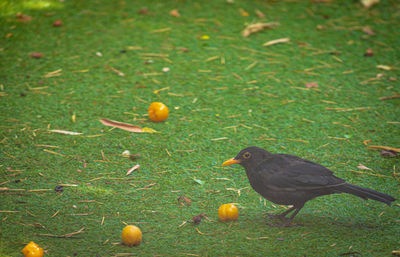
<point x="311" y="220"/>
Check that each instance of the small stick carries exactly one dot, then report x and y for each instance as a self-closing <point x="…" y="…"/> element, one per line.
<point x="390" y="97"/>
<point x="64" y="236"/>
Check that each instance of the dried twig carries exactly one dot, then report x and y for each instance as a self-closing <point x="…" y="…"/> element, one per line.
<point x="381" y="147"/>
<point x="277" y="41"/>
<point x="390" y="97"/>
<point x="66" y="235"/>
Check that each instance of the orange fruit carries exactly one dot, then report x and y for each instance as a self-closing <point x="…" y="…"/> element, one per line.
<point x="32" y="250"/>
<point x="158" y="112"/>
<point x="228" y="212"/>
<point x="131" y="235"/>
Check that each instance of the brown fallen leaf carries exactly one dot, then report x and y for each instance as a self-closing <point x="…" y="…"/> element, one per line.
<point x="184" y="200"/>
<point x="57" y="23"/>
<point x="65" y="132"/>
<point x="396" y="252"/>
<point x="276" y="41"/>
<point x="175" y="13"/>
<point x="389" y="153"/>
<point x="144" y="11"/>
<point x="367" y="30"/>
<point x="260" y="14"/>
<point x="361" y="166"/>
<point x="311" y="84"/>
<point x="137" y="166"/>
<point x="23" y="18"/>
<point x="256" y="27"/>
<point x="369" y="52"/>
<point x="36" y="55"/>
<point x="126" y="126"/>
<point x="197" y="219"/>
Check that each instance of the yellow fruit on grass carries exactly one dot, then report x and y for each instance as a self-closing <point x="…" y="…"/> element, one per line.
<point x="228" y="212"/>
<point x="158" y="112"/>
<point x="131" y="235"/>
<point x="32" y="250"/>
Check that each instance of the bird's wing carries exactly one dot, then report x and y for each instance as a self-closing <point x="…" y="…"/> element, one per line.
<point x="290" y="172"/>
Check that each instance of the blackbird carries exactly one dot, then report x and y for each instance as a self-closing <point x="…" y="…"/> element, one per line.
<point x="289" y="180"/>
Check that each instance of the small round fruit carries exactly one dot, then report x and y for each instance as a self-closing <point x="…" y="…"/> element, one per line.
<point x="32" y="250"/>
<point x="228" y="212"/>
<point x="131" y="235"/>
<point x="158" y="112"/>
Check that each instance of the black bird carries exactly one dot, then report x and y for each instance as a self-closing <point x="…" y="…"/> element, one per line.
<point x="289" y="180"/>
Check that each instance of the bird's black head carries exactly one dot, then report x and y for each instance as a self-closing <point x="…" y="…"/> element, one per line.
<point x="249" y="156"/>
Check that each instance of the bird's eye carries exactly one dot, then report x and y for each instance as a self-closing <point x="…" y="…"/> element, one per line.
<point x="247" y="155"/>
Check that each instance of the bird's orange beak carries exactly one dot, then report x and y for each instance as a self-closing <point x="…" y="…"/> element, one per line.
<point x="230" y="162"/>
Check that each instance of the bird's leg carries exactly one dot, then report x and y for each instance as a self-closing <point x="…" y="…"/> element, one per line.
<point x="288" y="221"/>
<point x="282" y="215"/>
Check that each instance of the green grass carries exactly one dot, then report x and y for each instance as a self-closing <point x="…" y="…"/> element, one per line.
<point x="259" y="90"/>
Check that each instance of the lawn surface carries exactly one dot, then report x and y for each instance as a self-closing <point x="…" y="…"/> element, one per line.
<point x="318" y="96"/>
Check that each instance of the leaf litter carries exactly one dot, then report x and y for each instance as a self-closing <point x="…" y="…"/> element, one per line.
<point x="257" y="27"/>
<point x="126" y="126"/>
<point x="276" y="41"/>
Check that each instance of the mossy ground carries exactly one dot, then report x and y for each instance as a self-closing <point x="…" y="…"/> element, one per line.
<point x="224" y="93"/>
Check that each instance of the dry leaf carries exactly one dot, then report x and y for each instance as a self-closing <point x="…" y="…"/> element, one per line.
<point x="396" y="252"/>
<point x="126" y="126"/>
<point x="367" y="30"/>
<point x="184" y="200"/>
<point x="57" y="23"/>
<point x="244" y="13"/>
<point x="369" y="3"/>
<point x="384" y="67"/>
<point x="148" y="130"/>
<point x="277" y="41"/>
<point x="137" y="166"/>
<point x="197" y="219"/>
<point x="126" y="153"/>
<point x="360" y="166"/>
<point x="36" y="55"/>
<point x="66" y="132"/>
<point x="311" y="84"/>
<point x="260" y="14"/>
<point x="389" y="153"/>
<point x="174" y="13"/>
<point x="256" y="27"/>
<point x="144" y="11"/>
<point x="23" y="18"/>
<point x="369" y="53"/>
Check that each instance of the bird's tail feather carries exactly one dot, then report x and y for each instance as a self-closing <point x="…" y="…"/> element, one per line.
<point x="366" y="193"/>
